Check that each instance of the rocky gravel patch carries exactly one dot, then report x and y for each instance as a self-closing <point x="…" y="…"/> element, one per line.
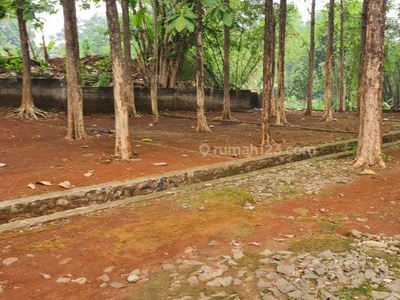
<point x="371" y="266"/>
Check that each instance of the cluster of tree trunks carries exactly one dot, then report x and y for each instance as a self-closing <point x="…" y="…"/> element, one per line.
<point x="369" y="89"/>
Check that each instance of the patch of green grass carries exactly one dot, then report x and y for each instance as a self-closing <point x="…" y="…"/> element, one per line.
<point x="250" y="261"/>
<point x="49" y="245"/>
<point x="392" y="260"/>
<point x="317" y="244"/>
<point x="364" y="291"/>
<point x="230" y="195"/>
<point x="156" y="288"/>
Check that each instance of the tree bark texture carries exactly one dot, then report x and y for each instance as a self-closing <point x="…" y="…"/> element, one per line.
<point x="27" y="110"/>
<point x="342" y="78"/>
<point x="268" y="81"/>
<point x="75" y="124"/>
<point x="227" y="114"/>
<point x="154" y="66"/>
<point x="311" y="62"/>
<point x="274" y="99"/>
<point x="123" y="148"/>
<point x="280" y="112"/>
<point x="130" y="95"/>
<point x="362" y="53"/>
<point x="329" y="65"/>
<point x="202" y="125"/>
<point x="370" y="137"/>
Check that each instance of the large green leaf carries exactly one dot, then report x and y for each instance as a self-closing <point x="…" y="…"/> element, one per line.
<point x="138" y="17"/>
<point x="227" y="19"/>
<point x="180" y="23"/>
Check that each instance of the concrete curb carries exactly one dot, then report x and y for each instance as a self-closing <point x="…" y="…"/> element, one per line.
<point x="82" y="198"/>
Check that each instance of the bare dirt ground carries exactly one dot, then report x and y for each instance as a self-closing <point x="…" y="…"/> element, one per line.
<point x="145" y="235"/>
<point x="37" y="150"/>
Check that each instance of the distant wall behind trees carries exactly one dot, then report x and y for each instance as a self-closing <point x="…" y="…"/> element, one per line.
<point x="51" y="94"/>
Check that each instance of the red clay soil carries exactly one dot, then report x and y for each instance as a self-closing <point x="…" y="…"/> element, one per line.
<point x="37" y="150"/>
<point x="145" y="235"/>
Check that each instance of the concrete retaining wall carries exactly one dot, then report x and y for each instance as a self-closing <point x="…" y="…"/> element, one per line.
<point x="51" y="93"/>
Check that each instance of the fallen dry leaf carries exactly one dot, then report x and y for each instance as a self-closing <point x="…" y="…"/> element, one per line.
<point x="367" y="172"/>
<point x="160" y="164"/>
<point x="66" y="185"/>
<point x="32" y="186"/>
<point x="43" y="182"/>
<point x="88" y="174"/>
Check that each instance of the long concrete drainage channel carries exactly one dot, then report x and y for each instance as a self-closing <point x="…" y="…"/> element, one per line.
<point x="29" y="211"/>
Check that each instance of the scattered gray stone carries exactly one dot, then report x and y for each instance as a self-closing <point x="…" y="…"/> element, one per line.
<point x="284" y="286"/>
<point x="109" y="269"/>
<point x="267" y="252"/>
<point x="374" y="244"/>
<point x="133" y="278"/>
<point x="104" y="278"/>
<point x="8" y="261"/>
<point x="295" y="295"/>
<point x="380" y="295"/>
<point x="328" y="296"/>
<point x="287" y="270"/>
<point x="263" y="285"/>
<point x="355" y="233"/>
<point x="237" y="253"/>
<point x="193" y="280"/>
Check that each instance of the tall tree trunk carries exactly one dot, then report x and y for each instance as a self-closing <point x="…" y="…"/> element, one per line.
<point x="362" y="46"/>
<point x="123" y="148"/>
<point x="154" y="68"/>
<point x="370" y="136"/>
<point x="280" y="112"/>
<point x="130" y="95"/>
<point x="268" y="81"/>
<point x="227" y="114"/>
<point x="311" y="59"/>
<point x="342" y="78"/>
<point x="27" y="110"/>
<point x="274" y="100"/>
<point x="201" y="117"/>
<point x="329" y="65"/>
<point x="76" y="127"/>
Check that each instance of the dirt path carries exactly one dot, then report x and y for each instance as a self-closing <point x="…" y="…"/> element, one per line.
<point x="146" y="235"/>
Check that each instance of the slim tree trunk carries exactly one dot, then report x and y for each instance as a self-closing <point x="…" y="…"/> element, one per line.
<point x="130" y="95"/>
<point x="329" y="65"/>
<point x="274" y="99"/>
<point x="280" y="112"/>
<point x="342" y="78"/>
<point x="268" y="81"/>
<point x="201" y="117"/>
<point x="362" y="46"/>
<point x="227" y="114"/>
<point x="44" y="49"/>
<point x="76" y="127"/>
<point x="311" y="59"/>
<point x="154" y="68"/>
<point x="370" y="136"/>
<point x="27" y="110"/>
<point x="123" y="148"/>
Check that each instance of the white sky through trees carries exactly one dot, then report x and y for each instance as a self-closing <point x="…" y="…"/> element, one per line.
<point x="53" y="24"/>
